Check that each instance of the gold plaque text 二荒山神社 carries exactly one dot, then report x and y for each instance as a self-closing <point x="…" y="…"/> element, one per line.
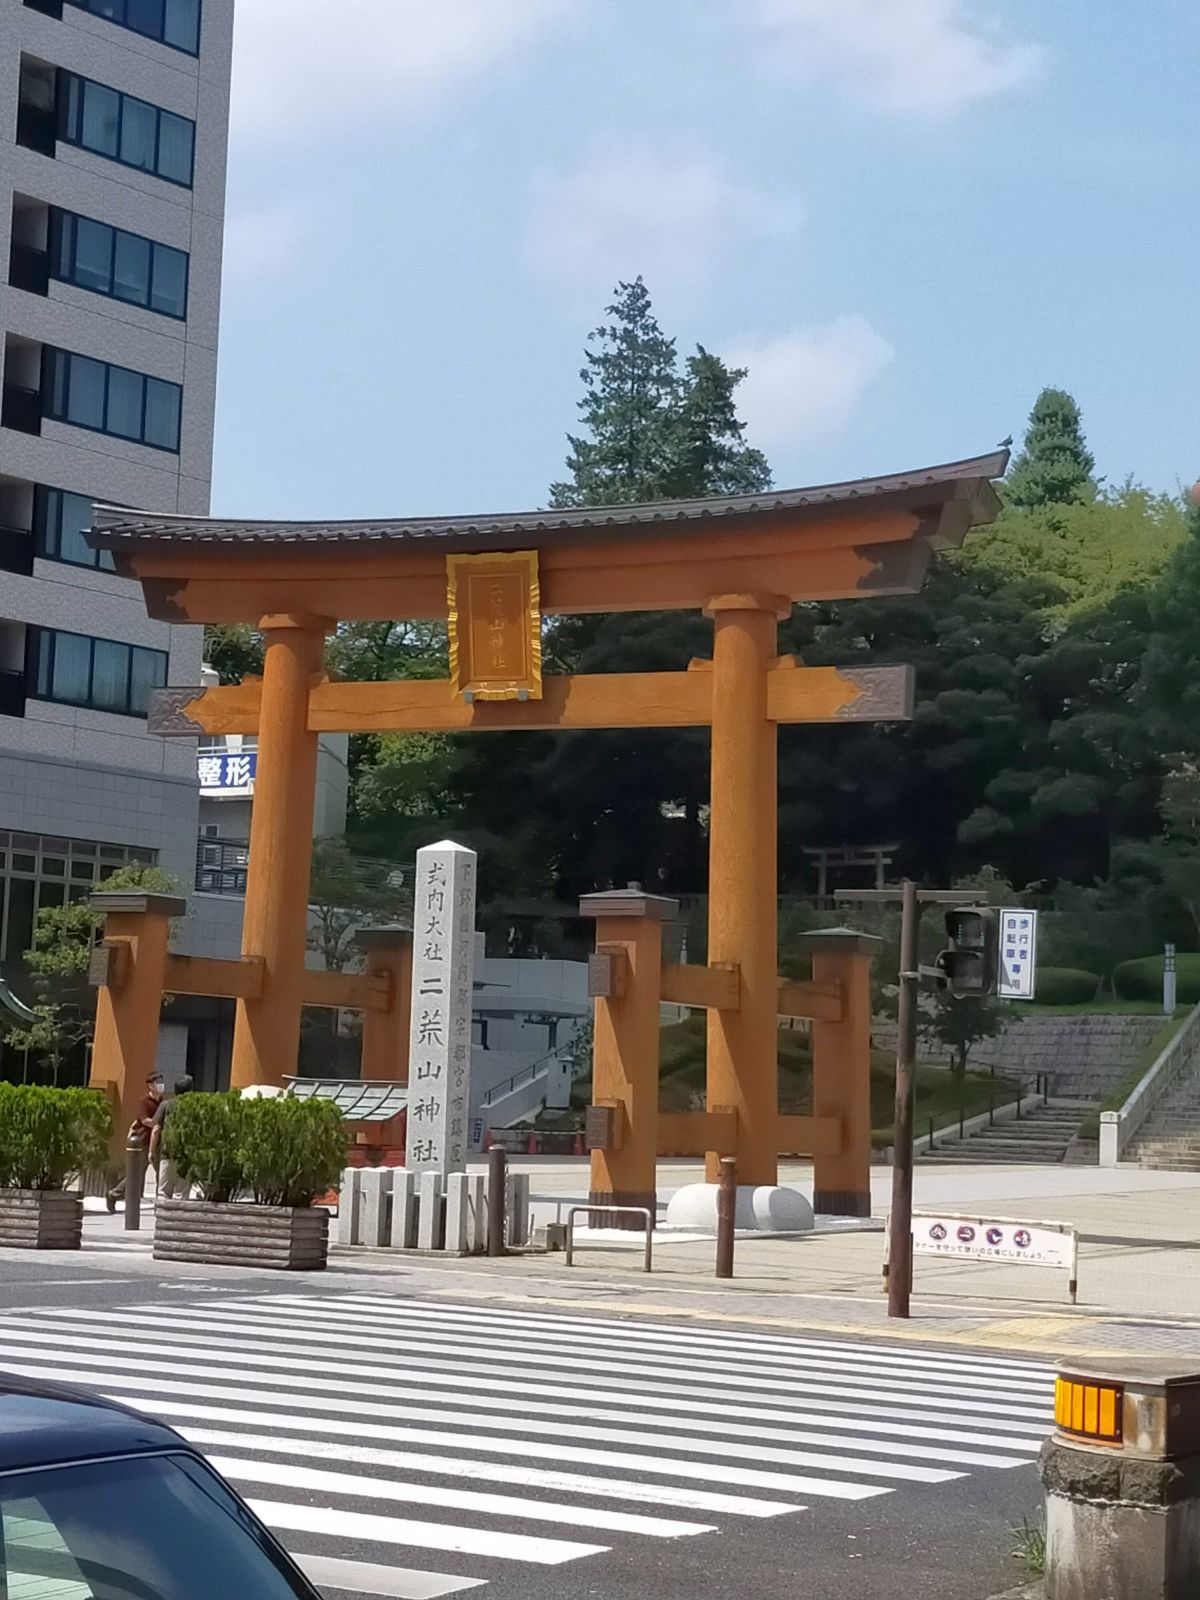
<point x="495" y="625"/>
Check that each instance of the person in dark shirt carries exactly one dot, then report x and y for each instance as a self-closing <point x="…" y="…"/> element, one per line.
<point x="139" y="1133"/>
<point x="170" y="1185"/>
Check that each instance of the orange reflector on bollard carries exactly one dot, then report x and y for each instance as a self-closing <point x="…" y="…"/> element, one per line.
<point x="1089" y="1410"/>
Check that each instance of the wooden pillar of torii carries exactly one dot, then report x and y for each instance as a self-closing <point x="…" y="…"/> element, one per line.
<point x="743" y="561"/>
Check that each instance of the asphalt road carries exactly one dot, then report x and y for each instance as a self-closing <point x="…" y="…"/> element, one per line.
<point x="445" y="1447"/>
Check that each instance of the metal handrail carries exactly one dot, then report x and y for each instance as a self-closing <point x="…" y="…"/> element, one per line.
<point x="630" y="1211"/>
<point x="522" y="1075"/>
<point x="1118" y="1128"/>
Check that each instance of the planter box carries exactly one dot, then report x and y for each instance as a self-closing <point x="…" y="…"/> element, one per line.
<point x="40" y="1219"/>
<point x="240" y="1235"/>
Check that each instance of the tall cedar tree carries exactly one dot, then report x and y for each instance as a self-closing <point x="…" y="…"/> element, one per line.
<point x="611" y="807"/>
<point x="1056" y="466"/>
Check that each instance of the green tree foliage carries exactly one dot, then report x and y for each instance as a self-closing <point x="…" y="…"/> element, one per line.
<point x="1172" y="670"/>
<point x="958" y="1024"/>
<point x="49" y="1135"/>
<point x="347" y="893"/>
<point x="1055" y="468"/>
<point x="285" y="1151"/>
<point x="234" y="650"/>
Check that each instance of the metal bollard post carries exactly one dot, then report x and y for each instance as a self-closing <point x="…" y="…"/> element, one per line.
<point x="726" y="1216"/>
<point x="497" y="1184"/>
<point x="135" y="1177"/>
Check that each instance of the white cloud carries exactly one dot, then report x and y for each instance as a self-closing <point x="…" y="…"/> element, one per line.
<point x="672" y="218"/>
<point x="804" y="385"/>
<point x="261" y="242"/>
<point x="307" y="62"/>
<point x="920" y="57"/>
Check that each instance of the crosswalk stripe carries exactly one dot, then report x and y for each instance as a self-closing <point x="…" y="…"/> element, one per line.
<point x="452" y="1467"/>
<point x="129" y="1391"/>
<point x="479" y="1374"/>
<point x="395" y="1583"/>
<point x="287" y="1475"/>
<point x="722" y="1373"/>
<point x="689" y="1443"/>
<point x="269" y="1356"/>
<point x="722" y="1349"/>
<point x="639" y="1330"/>
<point x="376" y="1529"/>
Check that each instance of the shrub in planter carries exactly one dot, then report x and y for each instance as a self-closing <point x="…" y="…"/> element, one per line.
<point x="285" y="1152"/>
<point x="1065" y="986"/>
<point x="46" y="1137"/>
<point x="1142" y="979"/>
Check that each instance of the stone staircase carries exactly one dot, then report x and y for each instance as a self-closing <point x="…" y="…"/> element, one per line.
<point x="1042" y="1135"/>
<point x="1170" y="1138"/>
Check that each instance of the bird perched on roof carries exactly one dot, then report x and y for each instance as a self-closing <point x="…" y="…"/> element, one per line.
<point x="1005" y="444"/>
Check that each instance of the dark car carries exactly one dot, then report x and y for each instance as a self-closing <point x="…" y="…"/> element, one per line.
<point x="98" y="1502"/>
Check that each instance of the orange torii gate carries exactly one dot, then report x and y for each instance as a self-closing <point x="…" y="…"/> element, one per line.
<point x="741" y="560"/>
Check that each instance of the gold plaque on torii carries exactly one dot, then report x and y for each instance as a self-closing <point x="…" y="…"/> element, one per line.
<point x="493" y="606"/>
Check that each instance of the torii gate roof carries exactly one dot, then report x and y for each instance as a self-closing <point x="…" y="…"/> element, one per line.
<point x="868" y="535"/>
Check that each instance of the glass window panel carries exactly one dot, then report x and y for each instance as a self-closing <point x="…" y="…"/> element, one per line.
<point x="149" y="673"/>
<point x="70" y="679"/>
<point x="85" y="391"/>
<point x="43" y="647"/>
<point x="25" y="864"/>
<point x="139" y="134"/>
<point x="114" y="10"/>
<point x="54" y="867"/>
<point x="18" y="934"/>
<point x="82" y="869"/>
<point x="62" y="227"/>
<point x="101" y="118"/>
<point x="145" y="16"/>
<point x="169" y="290"/>
<point x="55" y="370"/>
<point x="162" y="414"/>
<point x="75" y="516"/>
<point x="110" y="675"/>
<point x="183" y="25"/>
<point x="93" y="255"/>
<point x="131" y="269"/>
<point x="125" y="392"/>
<point x="175" y="148"/>
<point x="50" y="894"/>
<point x="72" y="116"/>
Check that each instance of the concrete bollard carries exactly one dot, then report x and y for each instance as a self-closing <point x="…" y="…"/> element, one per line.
<point x="404" y="1210"/>
<point x="457" y="1216"/>
<point x="429" y="1211"/>
<point x="516" y="1204"/>
<point x="349" y="1206"/>
<point x="1122" y="1480"/>
<point x="376" y="1185"/>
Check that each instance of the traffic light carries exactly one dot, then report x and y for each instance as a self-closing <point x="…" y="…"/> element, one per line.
<point x="970" y="965"/>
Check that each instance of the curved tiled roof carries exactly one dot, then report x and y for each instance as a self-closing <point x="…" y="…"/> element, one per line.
<point x="120" y="528"/>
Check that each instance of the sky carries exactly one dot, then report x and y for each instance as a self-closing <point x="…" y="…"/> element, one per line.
<point x="902" y="217"/>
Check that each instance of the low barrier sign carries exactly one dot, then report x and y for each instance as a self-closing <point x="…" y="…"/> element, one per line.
<point x="1028" y="1244"/>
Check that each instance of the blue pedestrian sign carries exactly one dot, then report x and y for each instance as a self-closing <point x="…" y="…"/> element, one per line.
<point x="1018" y="955"/>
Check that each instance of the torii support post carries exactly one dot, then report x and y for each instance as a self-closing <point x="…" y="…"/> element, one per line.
<point x="625" y="979"/>
<point x="743" y="1045"/>
<point x="130" y="966"/>
<point x="841" y="1051"/>
<point x="266" y="1030"/>
<point x="389" y="953"/>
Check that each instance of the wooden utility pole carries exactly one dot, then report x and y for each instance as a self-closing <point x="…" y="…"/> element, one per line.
<point x="912" y="902"/>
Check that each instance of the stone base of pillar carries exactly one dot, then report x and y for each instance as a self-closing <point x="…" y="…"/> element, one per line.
<point x="1119" y="1528"/>
<point x="762" y="1208"/>
<point x="842" y="1202"/>
<point x="622" y="1197"/>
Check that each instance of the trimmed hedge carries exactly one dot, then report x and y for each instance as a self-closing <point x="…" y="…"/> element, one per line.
<point x="1143" y="979"/>
<point x="285" y="1151"/>
<point x="1065" y="986"/>
<point x="49" y="1135"/>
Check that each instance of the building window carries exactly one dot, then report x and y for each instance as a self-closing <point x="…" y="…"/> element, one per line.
<point x="60" y="520"/>
<point x="102" y="674"/>
<point x="126" y="129"/>
<point x="37" y="870"/>
<point x="170" y="22"/>
<point x="94" y="394"/>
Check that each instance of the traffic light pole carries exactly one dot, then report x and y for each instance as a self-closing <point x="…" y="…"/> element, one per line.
<point x="912" y="903"/>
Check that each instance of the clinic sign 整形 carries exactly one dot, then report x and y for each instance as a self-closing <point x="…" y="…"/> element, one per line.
<point x="227" y="772"/>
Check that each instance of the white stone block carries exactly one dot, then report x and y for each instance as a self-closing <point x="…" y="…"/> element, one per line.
<point x="516" y="1208"/>
<point x="477" y="1213"/>
<point x="404" y="1210"/>
<point x="457" y="1217"/>
<point x="349" y="1205"/>
<point x="429" y="1216"/>
<point x="769" y="1208"/>
<point x="376" y="1185"/>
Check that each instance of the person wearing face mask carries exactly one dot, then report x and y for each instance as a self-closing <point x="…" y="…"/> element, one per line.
<point x="139" y="1133"/>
